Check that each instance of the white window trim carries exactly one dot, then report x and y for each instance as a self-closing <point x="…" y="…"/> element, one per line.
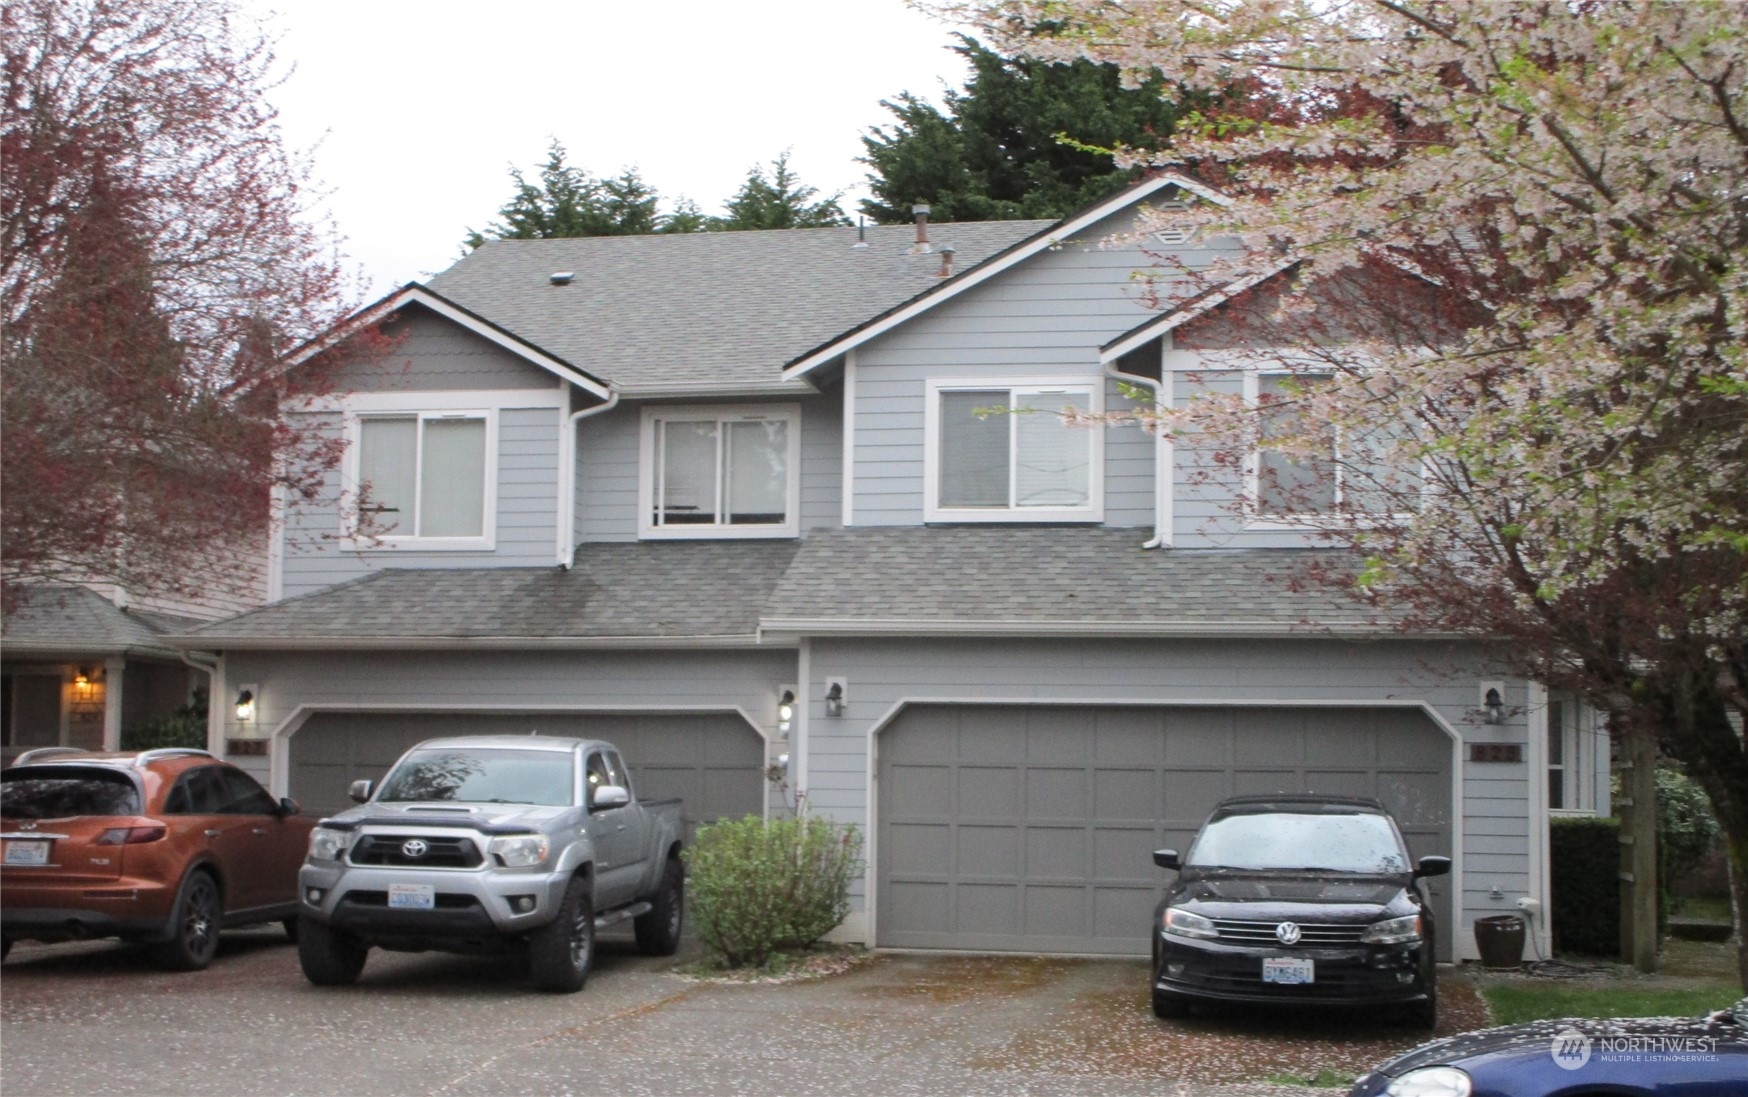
<point x="1093" y="511"/>
<point x="1580" y="749"/>
<point x="1334" y="520"/>
<point x="722" y="413"/>
<point x="384" y="405"/>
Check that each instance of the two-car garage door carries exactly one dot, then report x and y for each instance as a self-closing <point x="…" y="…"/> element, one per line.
<point x="1031" y="828"/>
<point x="714" y="761"/>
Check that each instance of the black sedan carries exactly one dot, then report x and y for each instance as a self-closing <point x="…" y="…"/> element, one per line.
<point x="1296" y="900"/>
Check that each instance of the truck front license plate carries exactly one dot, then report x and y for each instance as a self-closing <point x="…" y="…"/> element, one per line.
<point x="413" y="897"/>
<point x="27" y="853"/>
<point x="1287" y="970"/>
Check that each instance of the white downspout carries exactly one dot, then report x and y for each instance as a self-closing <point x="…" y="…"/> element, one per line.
<point x="567" y="504"/>
<point x="1161" y="456"/>
<point x="215" y="738"/>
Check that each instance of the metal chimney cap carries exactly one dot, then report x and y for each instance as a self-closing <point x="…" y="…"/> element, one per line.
<point x="562" y="277"/>
<point x="921" y="208"/>
<point x="948" y="249"/>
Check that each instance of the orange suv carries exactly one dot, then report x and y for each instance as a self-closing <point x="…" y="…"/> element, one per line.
<point x="164" y="847"/>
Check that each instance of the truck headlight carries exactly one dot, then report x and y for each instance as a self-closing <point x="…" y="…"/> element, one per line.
<point x="1431" y="1082"/>
<point x="520" y="850"/>
<point x="328" y="845"/>
<point x="1182" y="923"/>
<point x="1395" y="931"/>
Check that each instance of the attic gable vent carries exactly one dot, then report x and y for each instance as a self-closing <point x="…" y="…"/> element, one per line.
<point x="562" y="277"/>
<point x="1172" y="237"/>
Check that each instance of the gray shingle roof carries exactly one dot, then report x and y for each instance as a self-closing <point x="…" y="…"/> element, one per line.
<point x="682" y="589"/>
<point x="71" y="620"/>
<point x="1005" y="579"/>
<point x="722" y="308"/>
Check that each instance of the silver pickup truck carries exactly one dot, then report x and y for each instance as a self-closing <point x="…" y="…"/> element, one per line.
<point x="492" y="843"/>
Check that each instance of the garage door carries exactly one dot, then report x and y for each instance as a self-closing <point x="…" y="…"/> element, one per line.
<point x="1031" y="828"/>
<point x="712" y="761"/>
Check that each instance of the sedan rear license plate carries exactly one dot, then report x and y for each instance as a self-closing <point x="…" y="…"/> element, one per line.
<point x="27" y="853"/>
<point x="1287" y="970"/>
<point x="412" y="896"/>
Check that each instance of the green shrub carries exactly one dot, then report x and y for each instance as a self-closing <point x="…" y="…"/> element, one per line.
<point x="186" y="727"/>
<point x="756" y="888"/>
<point x="1584" y="861"/>
<point x="1686" y="827"/>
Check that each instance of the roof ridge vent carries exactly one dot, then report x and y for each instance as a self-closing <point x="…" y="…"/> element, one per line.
<point x="562" y="277"/>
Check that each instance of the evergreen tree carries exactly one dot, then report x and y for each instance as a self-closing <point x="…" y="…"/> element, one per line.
<point x="1018" y="141"/>
<point x="567" y="201"/>
<point x="779" y="201"/>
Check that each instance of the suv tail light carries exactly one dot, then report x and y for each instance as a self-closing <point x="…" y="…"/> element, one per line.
<point x="130" y="836"/>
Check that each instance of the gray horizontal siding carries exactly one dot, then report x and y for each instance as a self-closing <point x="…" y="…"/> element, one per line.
<point x="526" y="515"/>
<point x="880" y="674"/>
<point x="432" y="354"/>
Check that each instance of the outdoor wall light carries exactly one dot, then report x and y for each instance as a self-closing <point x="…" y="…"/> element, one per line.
<point x="835" y="701"/>
<point x="81" y="684"/>
<point x="1495" y="706"/>
<point x="785" y="709"/>
<point x="246" y="704"/>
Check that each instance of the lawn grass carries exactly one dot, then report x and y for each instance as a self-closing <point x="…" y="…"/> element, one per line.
<point x="1526" y="1001"/>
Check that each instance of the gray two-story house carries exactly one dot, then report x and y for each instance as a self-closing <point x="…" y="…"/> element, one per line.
<point x="736" y="502"/>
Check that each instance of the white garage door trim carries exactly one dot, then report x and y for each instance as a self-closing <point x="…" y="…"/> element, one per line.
<point x="870" y="877"/>
<point x="279" y="748"/>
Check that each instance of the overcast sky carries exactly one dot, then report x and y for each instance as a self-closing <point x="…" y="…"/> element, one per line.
<point x="416" y="111"/>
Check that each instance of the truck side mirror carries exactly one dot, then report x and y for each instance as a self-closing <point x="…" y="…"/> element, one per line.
<point x="1432" y="866"/>
<point x="609" y="796"/>
<point x="1167" y="858"/>
<point x="361" y="790"/>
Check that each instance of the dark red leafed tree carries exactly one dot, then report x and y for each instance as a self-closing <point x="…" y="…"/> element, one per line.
<point x="156" y="258"/>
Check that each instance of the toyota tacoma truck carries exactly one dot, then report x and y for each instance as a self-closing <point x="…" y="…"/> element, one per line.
<point x="492" y="844"/>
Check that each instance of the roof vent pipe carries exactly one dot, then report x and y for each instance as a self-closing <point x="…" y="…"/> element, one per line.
<point x="562" y="277"/>
<point x="861" y="233"/>
<point x="921" y="210"/>
<point x="947" y="254"/>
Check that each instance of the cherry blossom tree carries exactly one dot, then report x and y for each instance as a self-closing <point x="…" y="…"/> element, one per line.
<point x="157" y="255"/>
<point x="1513" y="240"/>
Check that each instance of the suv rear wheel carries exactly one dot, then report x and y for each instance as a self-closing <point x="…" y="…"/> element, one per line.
<point x="199" y="914"/>
<point x="562" y="952"/>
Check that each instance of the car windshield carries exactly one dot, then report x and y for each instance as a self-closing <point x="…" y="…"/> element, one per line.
<point x="482" y="776"/>
<point x="1357" y="842"/>
<point x="62" y="792"/>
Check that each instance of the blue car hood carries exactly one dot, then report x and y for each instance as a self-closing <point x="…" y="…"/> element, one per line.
<point x="1538" y="1036"/>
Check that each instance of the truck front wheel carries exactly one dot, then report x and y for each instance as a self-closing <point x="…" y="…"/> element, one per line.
<point x="561" y="952"/>
<point x="330" y="957"/>
<point x="658" y="932"/>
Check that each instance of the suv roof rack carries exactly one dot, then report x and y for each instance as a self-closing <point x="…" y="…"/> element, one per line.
<point x="171" y="752"/>
<point x="44" y="752"/>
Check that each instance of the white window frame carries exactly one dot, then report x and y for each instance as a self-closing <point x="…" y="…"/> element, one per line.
<point x="1579" y="748"/>
<point x="1334" y="519"/>
<point x="424" y="407"/>
<point x="648" y="530"/>
<point x="1091" y="387"/>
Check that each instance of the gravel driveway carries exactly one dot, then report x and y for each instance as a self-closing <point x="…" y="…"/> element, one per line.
<point x="97" y="1018"/>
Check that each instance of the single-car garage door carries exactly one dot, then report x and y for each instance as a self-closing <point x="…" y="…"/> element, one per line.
<point x="1031" y="828"/>
<point x="713" y="761"/>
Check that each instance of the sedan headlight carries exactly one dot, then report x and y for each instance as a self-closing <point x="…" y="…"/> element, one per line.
<point x="328" y="845"/>
<point x="520" y="850"/>
<point x="1431" y="1082"/>
<point x="1182" y="923"/>
<point x="1395" y="931"/>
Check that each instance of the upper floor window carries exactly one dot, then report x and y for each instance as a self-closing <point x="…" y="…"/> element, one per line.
<point x="1570" y="755"/>
<point x="721" y="472"/>
<point x="424" y="478"/>
<point x="1003" y="453"/>
<point x="1348" y="472"/>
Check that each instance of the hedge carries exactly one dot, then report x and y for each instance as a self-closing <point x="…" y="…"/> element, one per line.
<point x="1585" y="861"/>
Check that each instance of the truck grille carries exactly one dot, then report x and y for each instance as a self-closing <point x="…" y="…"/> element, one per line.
<point x="1311" y="934"/>
<point x="392" y="849"/>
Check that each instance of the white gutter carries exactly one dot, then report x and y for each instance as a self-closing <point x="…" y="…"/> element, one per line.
<point x="1161" y="456"/>
<point x="567" y="480"/>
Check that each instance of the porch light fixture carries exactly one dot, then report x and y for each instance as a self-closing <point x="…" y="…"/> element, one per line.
<point x="81" y="684"/>
<point x="1495" y="706"/>
<point x="785" y="709"/>
<point x="246" y="704"/>
<point x="835" y="702"/>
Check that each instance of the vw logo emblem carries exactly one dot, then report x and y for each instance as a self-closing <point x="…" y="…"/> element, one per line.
<point x="417" y="847"/>
<point x="1287" y="933"/>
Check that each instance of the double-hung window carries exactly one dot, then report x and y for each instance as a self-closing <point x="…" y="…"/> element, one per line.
<point x="423" y="478"/>
<point x="721" y="472"/>
<point x="1005" y="453"/>
<point x="1314" y="471"/>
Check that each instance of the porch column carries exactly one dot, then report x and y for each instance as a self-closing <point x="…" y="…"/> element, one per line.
<point x="114" y="670"/>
